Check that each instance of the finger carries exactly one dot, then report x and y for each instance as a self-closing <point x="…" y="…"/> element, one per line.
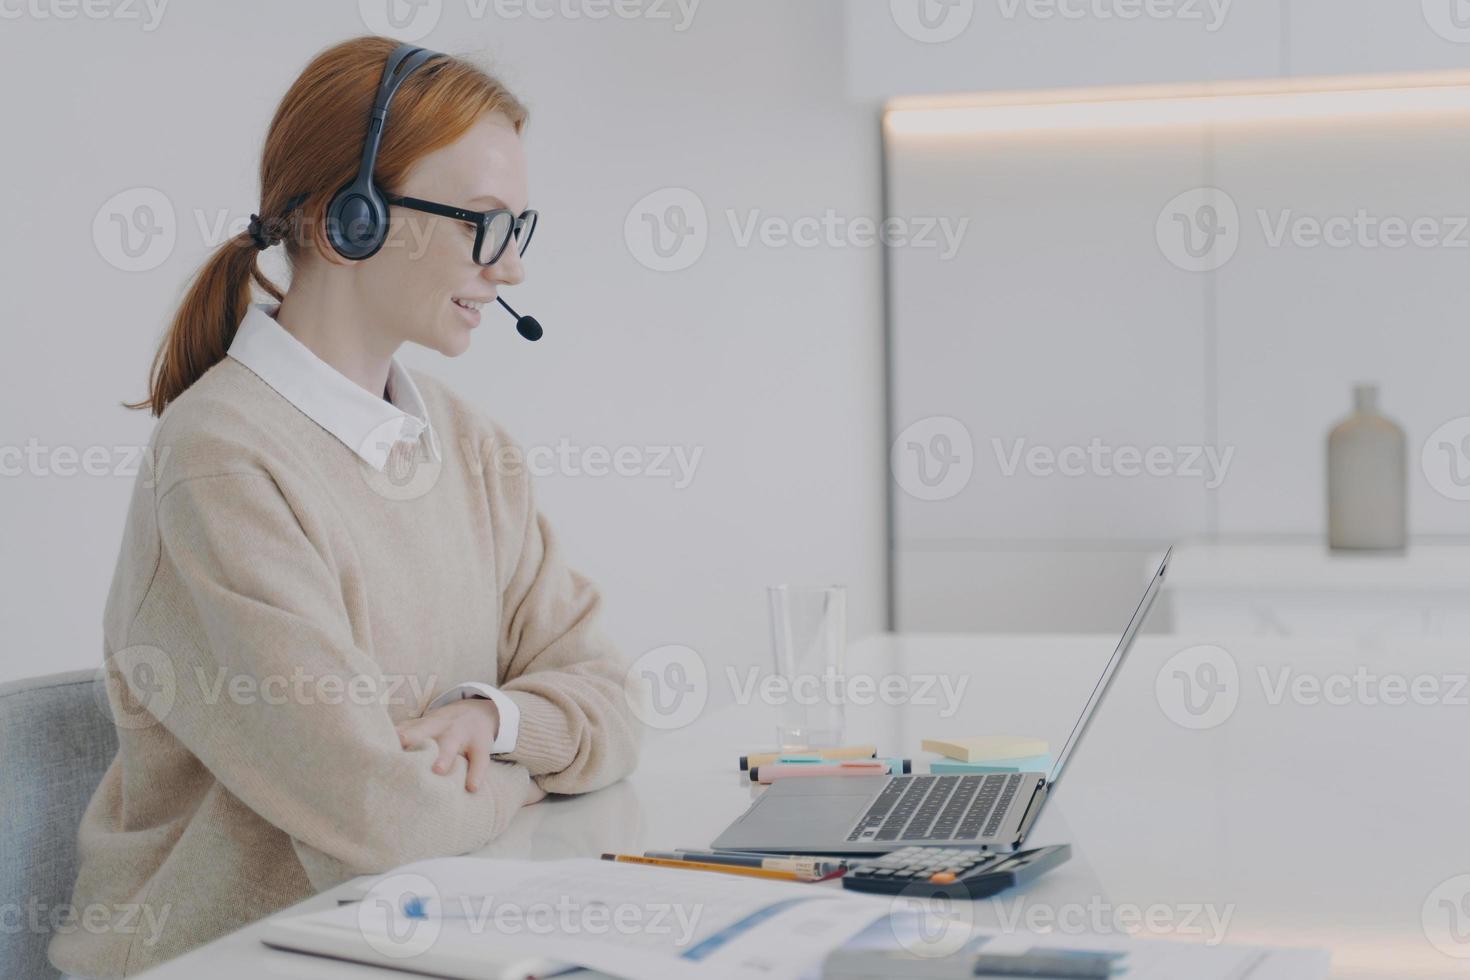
<point x="417" y="730"/>
<point x="479" y="767"/>
<point x="451" y="744"/>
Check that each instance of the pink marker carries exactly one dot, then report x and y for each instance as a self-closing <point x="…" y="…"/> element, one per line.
<point x="847" y="767"/>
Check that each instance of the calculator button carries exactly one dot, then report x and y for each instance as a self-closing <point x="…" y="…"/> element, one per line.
<point x="942" y="878"/>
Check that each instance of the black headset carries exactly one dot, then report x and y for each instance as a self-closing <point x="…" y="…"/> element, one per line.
<point x="357" y="216"/>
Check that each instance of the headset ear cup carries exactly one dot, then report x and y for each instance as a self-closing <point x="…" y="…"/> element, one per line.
<point x="357" y="221"/>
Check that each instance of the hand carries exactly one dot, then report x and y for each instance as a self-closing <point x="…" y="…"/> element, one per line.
<point x="467" y="727"/>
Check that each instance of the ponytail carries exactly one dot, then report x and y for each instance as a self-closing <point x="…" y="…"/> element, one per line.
<point x="205" y="324"/>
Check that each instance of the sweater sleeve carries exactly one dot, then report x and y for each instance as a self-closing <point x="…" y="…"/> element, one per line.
<point x="577" y="730"/>
<point x="266" y="607"/>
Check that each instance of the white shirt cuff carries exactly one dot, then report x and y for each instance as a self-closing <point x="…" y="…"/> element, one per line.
<point x="510" y="713"/>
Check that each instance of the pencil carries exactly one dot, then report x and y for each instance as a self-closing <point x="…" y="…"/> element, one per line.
<point x="729" y="869"/>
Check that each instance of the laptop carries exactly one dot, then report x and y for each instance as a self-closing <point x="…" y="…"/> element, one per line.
<point x="877" y="814"/>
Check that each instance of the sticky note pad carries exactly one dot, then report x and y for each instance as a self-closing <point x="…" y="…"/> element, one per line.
<point x="1033" y="763"/>
<point x="983" y="748"/>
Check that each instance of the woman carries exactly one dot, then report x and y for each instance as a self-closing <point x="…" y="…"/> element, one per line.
<point x="340" y="636"/>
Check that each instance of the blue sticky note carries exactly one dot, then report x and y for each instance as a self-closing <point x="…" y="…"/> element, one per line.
<point x="1033" y="763"/>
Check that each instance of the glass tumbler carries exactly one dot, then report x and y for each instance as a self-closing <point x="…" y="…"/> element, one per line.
<point x="809" y="640"/>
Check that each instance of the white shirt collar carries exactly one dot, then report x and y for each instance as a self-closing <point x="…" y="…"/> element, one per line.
<point x="369" y="426"/>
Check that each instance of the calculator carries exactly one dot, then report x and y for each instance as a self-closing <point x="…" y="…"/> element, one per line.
<point x="928" y="872"/>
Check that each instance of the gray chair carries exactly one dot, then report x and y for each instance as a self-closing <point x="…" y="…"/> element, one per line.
<point x="56" y="740"/>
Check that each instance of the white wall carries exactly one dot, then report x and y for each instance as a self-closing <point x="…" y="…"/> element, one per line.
<point x="1069" y="317"/>
<point x="766" y="358"/>
<point x="910" y="47"/>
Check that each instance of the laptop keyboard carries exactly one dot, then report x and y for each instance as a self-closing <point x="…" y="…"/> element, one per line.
<point x="938" y="808"/>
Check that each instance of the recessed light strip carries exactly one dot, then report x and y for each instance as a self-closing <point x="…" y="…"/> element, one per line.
<point x="1159" y="107"/>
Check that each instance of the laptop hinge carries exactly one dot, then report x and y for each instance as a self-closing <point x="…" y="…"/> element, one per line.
<point x="1033" y="810"/>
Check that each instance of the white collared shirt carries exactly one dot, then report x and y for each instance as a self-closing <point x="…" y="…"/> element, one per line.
<point x="367" y="425"/>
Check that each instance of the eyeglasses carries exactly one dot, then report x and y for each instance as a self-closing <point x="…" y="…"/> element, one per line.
<point x="493" y="229"/>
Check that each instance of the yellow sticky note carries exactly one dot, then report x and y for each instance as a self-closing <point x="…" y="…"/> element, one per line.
<point x="983" y="748"/>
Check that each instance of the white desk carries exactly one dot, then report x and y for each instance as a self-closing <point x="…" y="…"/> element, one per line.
<point x="1326" y="825"/>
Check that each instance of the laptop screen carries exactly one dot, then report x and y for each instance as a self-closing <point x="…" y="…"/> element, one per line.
<point x="1101" y="688"/>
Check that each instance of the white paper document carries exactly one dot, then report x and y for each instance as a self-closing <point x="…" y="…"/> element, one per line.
<point x="480" y="918"/>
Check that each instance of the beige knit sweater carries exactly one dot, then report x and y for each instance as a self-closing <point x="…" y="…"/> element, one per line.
<point x="276" y="609"/>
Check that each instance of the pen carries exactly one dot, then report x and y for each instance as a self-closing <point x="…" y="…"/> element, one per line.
<point x="729" y="869"/>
